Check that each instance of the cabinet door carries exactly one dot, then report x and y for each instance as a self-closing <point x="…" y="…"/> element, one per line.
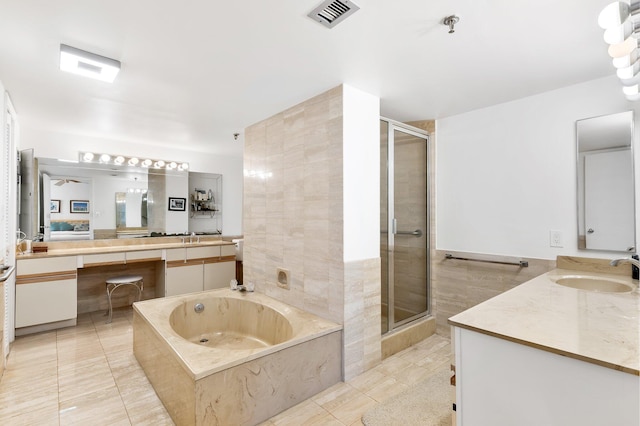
<point x="45" y="302"/>
<point x="218" y="274"/>
<point x="183" y="279"/>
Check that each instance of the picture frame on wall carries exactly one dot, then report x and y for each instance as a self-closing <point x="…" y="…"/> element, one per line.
<point x="177" y="204"/>
<point x="79" y="206"/>
<point x="54" y="206"/>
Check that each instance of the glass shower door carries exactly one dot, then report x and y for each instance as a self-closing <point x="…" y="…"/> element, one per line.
<point x="404" y="213"/>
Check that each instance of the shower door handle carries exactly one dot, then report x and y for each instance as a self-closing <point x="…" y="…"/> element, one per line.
<point x="417" y="233"/>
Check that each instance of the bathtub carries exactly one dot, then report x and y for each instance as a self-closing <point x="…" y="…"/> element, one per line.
<point x="243" y="358"/>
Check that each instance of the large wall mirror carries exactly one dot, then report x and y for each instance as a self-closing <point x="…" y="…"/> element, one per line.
<point x="606" y="191"/>
<point x="75" y="201"/>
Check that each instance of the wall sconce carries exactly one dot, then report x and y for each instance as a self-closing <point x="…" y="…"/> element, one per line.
<point x="621" y="22"/>
<point x="119" y="160"/>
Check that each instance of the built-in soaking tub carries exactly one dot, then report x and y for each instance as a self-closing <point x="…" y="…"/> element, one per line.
<point x="241" y="359"/>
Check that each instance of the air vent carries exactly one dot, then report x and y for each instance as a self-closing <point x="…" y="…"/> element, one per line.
<point x="331" y="12"/>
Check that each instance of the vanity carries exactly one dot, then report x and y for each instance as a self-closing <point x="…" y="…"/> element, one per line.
<point x="560" y="349"/>
<point x="53" y="287"/>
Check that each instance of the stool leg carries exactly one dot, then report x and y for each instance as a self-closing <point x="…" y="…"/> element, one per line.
<point x="110" y="306"/>
<point x="140" y="288"/>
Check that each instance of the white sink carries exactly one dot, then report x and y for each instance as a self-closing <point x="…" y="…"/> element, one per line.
<point x="593" y="283"/>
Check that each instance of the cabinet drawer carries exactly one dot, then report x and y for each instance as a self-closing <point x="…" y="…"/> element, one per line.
<point x="143" y="256"/>
<point x="203" y="252"/>
<point x="45" y="265"/>
<point x="176" y="254"/>
<point x="228" y="250"/>
<point x="103" y="259"/>
<point x="45" y="302"/>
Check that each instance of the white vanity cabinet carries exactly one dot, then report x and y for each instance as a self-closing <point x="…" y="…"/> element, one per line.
<point x="193" y="269"/>
<point x="500" y="382"/>
<point x="46" y="291"/>
<point x="218" y="272"/>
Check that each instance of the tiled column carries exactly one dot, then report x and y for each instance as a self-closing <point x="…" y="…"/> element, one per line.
<point x="306" y="209"/>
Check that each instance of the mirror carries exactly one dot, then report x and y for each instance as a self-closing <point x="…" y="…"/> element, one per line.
<point x="103" y="212"/>
<point x="606" y="192"/>
<point x="131" y="209"/>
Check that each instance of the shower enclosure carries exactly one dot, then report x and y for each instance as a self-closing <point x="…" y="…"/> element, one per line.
<point x="404" y="223"/>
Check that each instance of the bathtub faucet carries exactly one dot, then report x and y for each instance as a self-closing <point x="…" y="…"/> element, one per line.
<point x="242" y="287"/>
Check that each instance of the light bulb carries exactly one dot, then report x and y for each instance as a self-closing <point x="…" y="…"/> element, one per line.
<point x="88" y="156"/>
<point x="628" y="72"/>
<point x="185" y="166"/>
<point x="146" y="163"/>
<point x="159" y="164"/>
<point x="172" y="165"/>
<point x="619" y="33"/>
<point x="133" y="161"/>
<point x="634" y="98"/>
<point x="119" y="160"/>
<point x="630" y="90"/>
<point x="104" y="158"/>
<point x="627" y="60"/>
<point x="624" y="48"/>
<point x="614" y="14"/>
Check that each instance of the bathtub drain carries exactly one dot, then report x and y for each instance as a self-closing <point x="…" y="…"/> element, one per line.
<point x="203" y="340"/>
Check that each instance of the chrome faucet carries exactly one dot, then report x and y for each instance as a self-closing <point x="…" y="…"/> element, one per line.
<point x="630" y="260"/>
<point x="193" y="234"/>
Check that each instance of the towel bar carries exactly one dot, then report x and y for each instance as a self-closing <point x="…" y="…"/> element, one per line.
<point x="520" y="263"/>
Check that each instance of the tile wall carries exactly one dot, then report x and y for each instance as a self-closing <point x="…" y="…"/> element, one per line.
<point x="293" y="218"/>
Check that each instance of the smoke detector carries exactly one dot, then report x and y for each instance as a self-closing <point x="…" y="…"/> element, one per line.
<point x="331" y="12"/>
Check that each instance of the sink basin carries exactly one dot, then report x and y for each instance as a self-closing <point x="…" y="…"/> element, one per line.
<point x="598" y="284"/>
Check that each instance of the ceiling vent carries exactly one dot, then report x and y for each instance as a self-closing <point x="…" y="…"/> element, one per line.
<point x="331" y="12"/>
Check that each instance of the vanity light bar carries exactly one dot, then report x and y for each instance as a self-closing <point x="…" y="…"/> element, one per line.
<point x="119" y="160"/>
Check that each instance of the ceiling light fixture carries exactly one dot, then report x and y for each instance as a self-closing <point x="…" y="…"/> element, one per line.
<point x="621" y="24"/>
<point x="88" y="64"/>
<point x="121" y="160"/>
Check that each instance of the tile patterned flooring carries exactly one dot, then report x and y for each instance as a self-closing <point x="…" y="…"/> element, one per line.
<point x="88" y="375"/>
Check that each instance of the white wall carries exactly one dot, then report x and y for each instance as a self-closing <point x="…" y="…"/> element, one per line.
<point x="66" y="146"/>
<point x="361" y="174"/>
<point x="506" y="174"/>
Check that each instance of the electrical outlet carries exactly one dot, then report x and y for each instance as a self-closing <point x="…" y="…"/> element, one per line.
<point x="555" y="239"/>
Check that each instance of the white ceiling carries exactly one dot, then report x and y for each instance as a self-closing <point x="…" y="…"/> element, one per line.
<point x="196" y="71"/>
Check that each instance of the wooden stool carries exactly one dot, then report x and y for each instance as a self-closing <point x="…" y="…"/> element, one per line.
<point x="115" y="282"/>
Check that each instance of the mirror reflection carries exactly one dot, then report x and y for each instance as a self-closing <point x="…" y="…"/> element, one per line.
<point x="71" y="200"/>
<point x="606" y="194"/>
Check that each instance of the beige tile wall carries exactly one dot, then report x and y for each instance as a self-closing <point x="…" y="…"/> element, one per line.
<point x="293" y="218"/>
<point x="460" y="284"/>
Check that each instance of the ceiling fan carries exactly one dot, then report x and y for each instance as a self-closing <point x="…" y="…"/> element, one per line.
<point x="61" y="182"/>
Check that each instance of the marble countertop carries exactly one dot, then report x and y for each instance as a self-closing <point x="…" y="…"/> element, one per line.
<point x="118" y="246"/>
<point x="601" y="328"/>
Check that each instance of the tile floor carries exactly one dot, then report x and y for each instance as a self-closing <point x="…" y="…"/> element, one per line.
<point x="88" y="375"/>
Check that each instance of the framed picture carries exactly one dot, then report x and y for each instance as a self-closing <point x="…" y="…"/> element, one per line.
<point x="79" y="206"/>
<point x="177" y="204"/>
<point x="54" y="207"/>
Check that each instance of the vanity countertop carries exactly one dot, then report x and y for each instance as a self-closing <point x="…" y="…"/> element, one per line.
<point x="118" y="246"/>
<point x="601" y="328"/>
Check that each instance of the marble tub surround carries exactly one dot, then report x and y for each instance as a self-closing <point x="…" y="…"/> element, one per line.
<point x="206" y="385"/>
<point x="600" y="328"/>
